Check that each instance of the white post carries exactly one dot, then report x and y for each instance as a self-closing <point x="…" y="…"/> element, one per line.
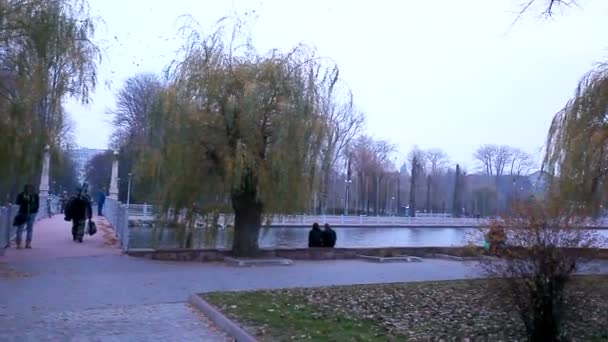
<point x="129" y="191"/>
<point x="114" y="179"/>
<point x="44" y="177"/>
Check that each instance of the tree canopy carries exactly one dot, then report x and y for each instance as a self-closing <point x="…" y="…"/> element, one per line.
<point x="47" y="54"/>
<point x="246" y="126"/>
<point x="578" y="140"/>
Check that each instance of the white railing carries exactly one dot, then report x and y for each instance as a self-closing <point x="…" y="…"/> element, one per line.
<point x="147" y="212"/>
<point x="117" y="214"/>
<point x="377" y="221"/>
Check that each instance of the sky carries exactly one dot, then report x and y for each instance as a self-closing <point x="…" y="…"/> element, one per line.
<point x="434" y="74"/>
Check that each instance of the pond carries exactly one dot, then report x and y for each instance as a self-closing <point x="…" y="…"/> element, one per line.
<point x="293" y="237"/>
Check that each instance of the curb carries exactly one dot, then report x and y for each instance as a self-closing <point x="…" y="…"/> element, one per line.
<point x="229" y="326"/>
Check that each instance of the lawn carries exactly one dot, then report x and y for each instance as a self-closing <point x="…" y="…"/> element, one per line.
<point x="398" y="312"/>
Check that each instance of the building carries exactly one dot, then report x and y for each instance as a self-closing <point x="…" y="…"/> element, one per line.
<point x="81" y="157"/>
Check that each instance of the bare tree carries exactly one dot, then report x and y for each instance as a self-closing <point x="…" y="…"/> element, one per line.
<point x="344" y="123"/>
<point x="521" y="163"/>
<point x="546" y="245"/>
<point x="485" y="156"/>
<point x="371" y="159"/>
<point x="497" y="160"/>
<point x="502" y="158"/>
<point x="437" y="160"/>
<point x="136" y="100"/>
<point x="548" y="6"/>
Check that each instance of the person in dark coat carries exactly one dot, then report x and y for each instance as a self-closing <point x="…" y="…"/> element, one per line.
<point x="63" y="201"/>
<point x="28" y="202"/>
<point x="328" y="236"/>
<point x="79" y="210"/>
<point x="314" y="237"/>
<point x="101" y="200"/>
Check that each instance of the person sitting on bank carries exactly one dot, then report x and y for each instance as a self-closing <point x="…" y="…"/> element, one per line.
<point x="314" y="237"/>
<point x="328" y="236"/>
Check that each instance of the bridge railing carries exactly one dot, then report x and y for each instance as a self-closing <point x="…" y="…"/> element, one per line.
<point x="118" y="216"/>
<point x="7" y="231"/>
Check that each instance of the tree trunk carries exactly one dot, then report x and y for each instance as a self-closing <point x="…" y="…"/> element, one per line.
<point x="247" y="219"/>
<point x="377" y="206"/>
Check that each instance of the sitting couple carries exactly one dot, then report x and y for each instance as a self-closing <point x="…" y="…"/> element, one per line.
<point x="321" y="238"/>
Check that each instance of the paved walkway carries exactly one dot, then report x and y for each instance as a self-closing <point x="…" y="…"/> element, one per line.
<point x="61" y="290"/>
<point x="91" y="292"/>
<point x="52" y="239"/>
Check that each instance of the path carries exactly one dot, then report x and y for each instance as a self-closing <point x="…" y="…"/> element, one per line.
<point x="51" y="293"/>
<point x="98" y="294"/>
<point x="52" y="239"/>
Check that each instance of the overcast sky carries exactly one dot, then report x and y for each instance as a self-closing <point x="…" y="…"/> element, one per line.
<point x="443" y="73"/>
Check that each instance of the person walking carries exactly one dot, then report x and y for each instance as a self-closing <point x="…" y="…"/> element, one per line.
<point x="28" y="202"/>
<point x="63" y="201"/>
<point x="101" y="200"/>
<point x="79" y="210"/>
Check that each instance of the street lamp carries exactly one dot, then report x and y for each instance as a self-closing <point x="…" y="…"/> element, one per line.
<point x="129" y="189"/>
<point x="392" y="199"/>
<point x="347" y="183"/>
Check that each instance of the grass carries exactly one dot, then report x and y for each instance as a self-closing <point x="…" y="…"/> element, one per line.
<point x="398" y="312"/>
<point x="281" y="318"/>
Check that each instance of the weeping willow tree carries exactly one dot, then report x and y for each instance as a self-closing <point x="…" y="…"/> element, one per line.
<point x="240" y="125"/>
<point x="577" y="144"/>
<point x="47" y="55"/>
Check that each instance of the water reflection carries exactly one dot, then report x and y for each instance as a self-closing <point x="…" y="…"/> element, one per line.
<point x="290" y="237"/>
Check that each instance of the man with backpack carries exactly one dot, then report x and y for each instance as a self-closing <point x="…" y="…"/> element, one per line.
<point x="79" y="210"/>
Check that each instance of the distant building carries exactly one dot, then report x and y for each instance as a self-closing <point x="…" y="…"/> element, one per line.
<point x="81" y="156"/>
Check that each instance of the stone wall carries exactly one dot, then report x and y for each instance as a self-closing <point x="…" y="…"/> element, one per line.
<point x="208" y="255"/>
<point x="211" y="255"/>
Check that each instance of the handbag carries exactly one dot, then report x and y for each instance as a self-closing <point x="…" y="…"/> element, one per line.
<point x="92" y="228"/>
<point x="19" y="220"/>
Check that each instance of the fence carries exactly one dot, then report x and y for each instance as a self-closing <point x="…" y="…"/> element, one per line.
<point x="118" y="216"/>
<point x="146" y="212"/>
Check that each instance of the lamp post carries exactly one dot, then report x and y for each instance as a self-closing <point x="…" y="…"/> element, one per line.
<point x="129" y="189"/>
<point x="347" y="185"/>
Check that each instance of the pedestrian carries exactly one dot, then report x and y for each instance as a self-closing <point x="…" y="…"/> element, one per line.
<point x="79" y="210"/>
<point x="64" y="200"/>
<point x="101" y="200"/>
<point x="314" y="236"/>
<point x="328" y="236"/>
<point x="28" y="202"/>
